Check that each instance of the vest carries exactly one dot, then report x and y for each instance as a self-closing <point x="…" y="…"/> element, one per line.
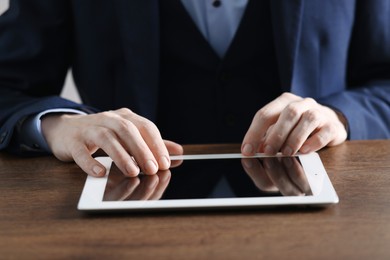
<point x="206" y="99"/>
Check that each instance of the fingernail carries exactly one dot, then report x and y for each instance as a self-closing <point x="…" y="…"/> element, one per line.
<point x="247" y="149"/>
<point x="132" y="169"/>
<point x="151" y="167"/>
<point x="164" y="162"/>
<point x="287" y="151"/>
<point x="97" y="170"/>
<point x="269" y="150"/>
<point x="305" y="149"/>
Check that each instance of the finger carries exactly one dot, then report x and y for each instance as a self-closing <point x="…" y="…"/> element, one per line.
<point x="254" y="137"/>
<point x="309" y="122"/>
<point x="331" y="131"/>
<point x="147" y="147"/>
<point x="285" y="124"/>
<point x="152" y="137"/>
<point x="264" y="118"/>
<point x="256" y="172"/>
<point x="84" y="160"/>
<point x="317" y="141"/>
<point x="108" y="142"/>
<point x="176" y="163"/>
<point x="174" y="149"/>
<point x="131" y="140"/>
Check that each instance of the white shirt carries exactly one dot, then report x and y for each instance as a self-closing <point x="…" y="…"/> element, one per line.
<point x="217" y="24"/>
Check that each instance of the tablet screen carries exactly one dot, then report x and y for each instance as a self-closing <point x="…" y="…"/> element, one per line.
<point x="213" y="179"/>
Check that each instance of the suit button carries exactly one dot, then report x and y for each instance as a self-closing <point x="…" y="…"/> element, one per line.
<point x="3" y="135"/>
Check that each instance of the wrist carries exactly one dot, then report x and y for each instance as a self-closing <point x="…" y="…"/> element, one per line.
<point x="53" y="124"/>
<point x="342" y="119"/>
<point x="50" y="121"/>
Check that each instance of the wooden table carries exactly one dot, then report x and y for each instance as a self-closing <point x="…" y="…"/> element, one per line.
<point x="39" y="219"/>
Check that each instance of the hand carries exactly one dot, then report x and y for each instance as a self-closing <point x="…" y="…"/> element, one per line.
<point x="133" y="142"/>
<point x="283" y="174"/>
<point x="148" y="187"/>
<point x="290" y="124"/>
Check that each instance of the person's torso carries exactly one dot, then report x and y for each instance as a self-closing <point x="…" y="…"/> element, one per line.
<point x="203" y="98"/>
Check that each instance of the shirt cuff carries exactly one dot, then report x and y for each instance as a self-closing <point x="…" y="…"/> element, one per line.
<point x="32" y="130"/>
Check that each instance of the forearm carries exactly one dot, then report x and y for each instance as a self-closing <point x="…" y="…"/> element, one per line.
<point x="12" y="119"/>
<point x="31" y="132"/>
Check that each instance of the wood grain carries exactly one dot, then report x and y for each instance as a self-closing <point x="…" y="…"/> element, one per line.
<point x="39" y="219"/>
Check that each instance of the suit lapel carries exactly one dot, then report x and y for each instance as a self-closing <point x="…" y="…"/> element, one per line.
<point x="138" y="21"/>
<point x="286" y="20"/>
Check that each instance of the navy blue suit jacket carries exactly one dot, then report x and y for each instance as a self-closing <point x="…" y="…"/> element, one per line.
<point x="336" y="51"/>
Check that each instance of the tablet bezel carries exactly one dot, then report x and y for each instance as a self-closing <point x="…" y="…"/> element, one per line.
<point x="323" y="192"/>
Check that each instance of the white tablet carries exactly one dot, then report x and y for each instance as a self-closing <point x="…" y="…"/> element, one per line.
<point x="213" y="181"/>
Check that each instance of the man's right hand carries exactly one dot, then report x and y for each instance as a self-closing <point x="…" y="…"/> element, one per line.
<point x="133" y="142"/>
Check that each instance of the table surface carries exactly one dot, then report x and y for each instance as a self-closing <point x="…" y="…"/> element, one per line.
<point x="39" y="218"/>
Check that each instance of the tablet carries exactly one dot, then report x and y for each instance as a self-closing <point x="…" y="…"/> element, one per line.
<point x="213" y="181"/>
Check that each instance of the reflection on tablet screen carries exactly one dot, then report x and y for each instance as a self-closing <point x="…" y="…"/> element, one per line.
<point x="219" y="178"/>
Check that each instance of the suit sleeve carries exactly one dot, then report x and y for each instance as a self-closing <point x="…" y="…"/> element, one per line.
<point x="366" y="103"/>
<point x="35" y="54"/>
<point x="366" y="109"/>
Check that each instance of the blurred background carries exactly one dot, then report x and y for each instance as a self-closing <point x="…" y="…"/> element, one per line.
<point x="69" y="91"/>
